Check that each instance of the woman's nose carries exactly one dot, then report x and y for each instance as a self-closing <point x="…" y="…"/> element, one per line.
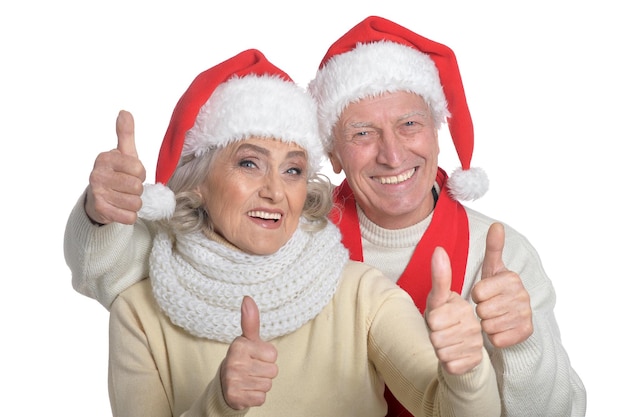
<point x="272" y="187"/>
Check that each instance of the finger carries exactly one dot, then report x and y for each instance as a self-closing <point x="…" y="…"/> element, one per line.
<point x="105" y="209"/>
<point x="492" y="264"/>
<point x="125" y="129"/>
<point x="441" y="278"/>
<point x="510" y="337"/>
<point x="250" y="321"/>
<point x="457" y="360"/>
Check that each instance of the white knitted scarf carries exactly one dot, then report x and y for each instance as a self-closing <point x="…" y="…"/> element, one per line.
<point x="200" y="283"/>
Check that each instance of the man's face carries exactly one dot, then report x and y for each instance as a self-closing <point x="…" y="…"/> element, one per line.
<point x="387" y="146"/>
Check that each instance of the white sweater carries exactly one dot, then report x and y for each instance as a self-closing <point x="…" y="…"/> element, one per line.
<point x="535" y="377"/>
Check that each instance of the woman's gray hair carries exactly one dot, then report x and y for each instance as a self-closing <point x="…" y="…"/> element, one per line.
<point x="190" y="214"/>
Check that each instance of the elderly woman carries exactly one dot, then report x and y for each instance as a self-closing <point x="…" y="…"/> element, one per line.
<point x="252" y="306"/>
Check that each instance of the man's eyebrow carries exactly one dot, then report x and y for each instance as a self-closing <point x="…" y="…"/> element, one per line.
<point x="420" y="113"/>
<point x="360" y="124"/>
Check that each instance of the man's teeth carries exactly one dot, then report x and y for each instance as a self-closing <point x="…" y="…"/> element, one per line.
<point x="265" y="215"/>
<point x="397" y="178"/>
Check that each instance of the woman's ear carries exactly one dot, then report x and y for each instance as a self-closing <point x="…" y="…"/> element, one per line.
<point x="198" y="193"/>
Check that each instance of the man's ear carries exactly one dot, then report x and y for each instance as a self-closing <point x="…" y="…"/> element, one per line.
<point x="335" y="162"/>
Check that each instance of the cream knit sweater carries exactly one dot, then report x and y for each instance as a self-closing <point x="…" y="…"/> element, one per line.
<point x="334" y="365"/>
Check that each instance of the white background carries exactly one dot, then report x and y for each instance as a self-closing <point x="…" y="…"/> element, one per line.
<point x="544" y="81"/>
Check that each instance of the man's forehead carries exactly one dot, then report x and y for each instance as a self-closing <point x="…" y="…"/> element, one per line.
<point x="389" y="105"/>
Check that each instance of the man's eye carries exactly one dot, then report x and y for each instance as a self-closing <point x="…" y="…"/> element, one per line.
<point x="415" y="124"/>
<point x="363" y="134"/>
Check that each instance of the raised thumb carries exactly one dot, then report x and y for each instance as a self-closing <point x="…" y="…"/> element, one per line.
<point x="250" y="321"/>
<point x="493" y="263"/>
<point x="125" y="129"/>
<point x="441" y="273"/>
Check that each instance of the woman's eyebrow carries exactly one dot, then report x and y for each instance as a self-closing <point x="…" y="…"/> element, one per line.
<point x="255" y="148"/>
<point x="296" y="154"/>
<point x="259" y="149"/>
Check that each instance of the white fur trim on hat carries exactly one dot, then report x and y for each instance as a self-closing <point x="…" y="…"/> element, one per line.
<point x="372" y="69"/>
<point x="158" y="202"/>
<point x="265" y="106"/>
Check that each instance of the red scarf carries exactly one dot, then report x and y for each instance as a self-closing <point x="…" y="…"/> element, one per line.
<point x="449" y="229"/>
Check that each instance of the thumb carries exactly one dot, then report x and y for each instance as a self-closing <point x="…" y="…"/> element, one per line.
<point x="250" y="321"/>
<point x="125" y="129"/>
<point x="492" y="264"/>
<point x="441" y="272"/>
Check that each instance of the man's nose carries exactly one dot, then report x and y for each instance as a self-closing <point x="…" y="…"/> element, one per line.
<point x="390" y="149"/>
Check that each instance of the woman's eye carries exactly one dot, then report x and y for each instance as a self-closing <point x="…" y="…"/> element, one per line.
<point x="294" y="171"/>
<point x="246" y="163"/>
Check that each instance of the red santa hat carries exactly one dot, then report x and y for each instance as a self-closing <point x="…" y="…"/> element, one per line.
<point x="378" y="56"/>
<point x="241" y="97"/>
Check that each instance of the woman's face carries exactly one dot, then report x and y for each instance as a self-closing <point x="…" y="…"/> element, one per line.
<point x="255" y="192"/>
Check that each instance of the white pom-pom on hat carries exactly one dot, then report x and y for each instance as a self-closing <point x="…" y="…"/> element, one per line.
<point x="468" y="184"/>
<point x="158" y="202"/>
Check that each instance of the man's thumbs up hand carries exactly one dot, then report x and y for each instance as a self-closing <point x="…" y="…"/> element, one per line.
<point x="116" y="181"/>
<point x="502" y="302"/>
<point x="125" y="130"/>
